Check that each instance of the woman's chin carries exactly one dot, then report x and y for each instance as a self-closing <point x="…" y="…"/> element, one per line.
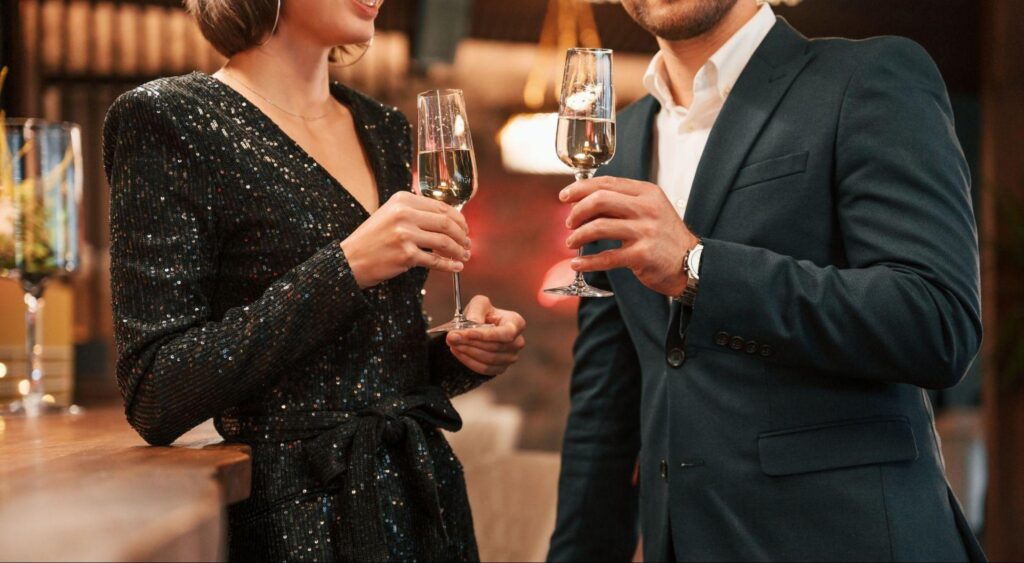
<point x="353" y="33"/>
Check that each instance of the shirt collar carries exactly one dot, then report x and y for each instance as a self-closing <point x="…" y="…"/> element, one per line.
<point x="724" y="67"/>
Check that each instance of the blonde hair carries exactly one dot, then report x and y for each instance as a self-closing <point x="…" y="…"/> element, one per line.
<point x="233" y="26"/>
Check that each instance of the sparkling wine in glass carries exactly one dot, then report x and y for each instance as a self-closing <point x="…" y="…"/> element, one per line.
<point x="447" y="167"/>
<point x="40" y="192"/>
<point x="585" y="139"/>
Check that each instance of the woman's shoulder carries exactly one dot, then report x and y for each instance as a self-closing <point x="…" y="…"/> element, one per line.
<point x="160" y="100"/>
<point x="155" y="113"/>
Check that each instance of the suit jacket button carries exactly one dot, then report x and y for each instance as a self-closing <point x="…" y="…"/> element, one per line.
<point x="751" y="347"/>
<point x="722" y="338"/>
<point x="737" y="343"/>
<point x="676" y="357"/>
<point x="766" y="350"/>
<point x="664" y="470"/>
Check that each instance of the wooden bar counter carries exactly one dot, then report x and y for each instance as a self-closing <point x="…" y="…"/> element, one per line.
<point x="87" y="488"/>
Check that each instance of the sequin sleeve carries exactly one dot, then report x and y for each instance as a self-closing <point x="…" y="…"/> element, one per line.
<point x="177" y="365"/>
<point x="447" y="372"/>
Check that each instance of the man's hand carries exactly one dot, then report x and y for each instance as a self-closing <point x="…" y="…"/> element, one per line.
<point x="489" y="350"/>
<point x="654" y="238"/>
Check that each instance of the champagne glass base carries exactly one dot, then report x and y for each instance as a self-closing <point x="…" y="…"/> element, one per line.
<point x="457" y="324"/>
<point x="579" y="290"/>
<point x="24" y="408"/>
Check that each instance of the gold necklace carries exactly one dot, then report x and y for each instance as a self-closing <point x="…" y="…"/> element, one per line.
<point x="271" y="102"/>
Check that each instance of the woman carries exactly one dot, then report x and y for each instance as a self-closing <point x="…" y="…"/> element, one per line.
<point x="256" y="281"/>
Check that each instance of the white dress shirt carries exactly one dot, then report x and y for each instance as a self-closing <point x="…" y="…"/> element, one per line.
<point x="680" y="133"/>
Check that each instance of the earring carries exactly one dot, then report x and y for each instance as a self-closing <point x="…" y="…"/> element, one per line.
<point x="273" y="30"/>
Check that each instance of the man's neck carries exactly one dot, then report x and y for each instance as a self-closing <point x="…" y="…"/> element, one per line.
<point x="684" y="57"/>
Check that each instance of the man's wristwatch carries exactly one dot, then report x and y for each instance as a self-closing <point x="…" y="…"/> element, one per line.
<point x="691" y="265"/>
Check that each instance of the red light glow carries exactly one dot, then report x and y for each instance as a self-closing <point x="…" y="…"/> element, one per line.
<point x="558" y="275"/>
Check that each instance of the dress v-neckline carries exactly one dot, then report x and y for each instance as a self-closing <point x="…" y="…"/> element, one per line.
<point x="343" y="95"/>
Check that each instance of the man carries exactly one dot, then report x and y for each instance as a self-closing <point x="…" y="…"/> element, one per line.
<point x="765" y="360"/>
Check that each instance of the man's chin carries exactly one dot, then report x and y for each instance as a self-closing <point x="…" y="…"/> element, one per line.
<point x="675" y="21"/>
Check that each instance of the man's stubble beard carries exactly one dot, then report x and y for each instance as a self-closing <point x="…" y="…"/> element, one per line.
<point x="702" y="16"/>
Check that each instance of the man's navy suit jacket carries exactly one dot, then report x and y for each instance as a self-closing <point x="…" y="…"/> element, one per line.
<point x="784" y="417"/>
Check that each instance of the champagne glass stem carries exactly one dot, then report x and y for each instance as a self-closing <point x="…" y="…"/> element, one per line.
<point x="459" y="317"/>
<point x="579" y="282"/>
<point x="33" y="352"/>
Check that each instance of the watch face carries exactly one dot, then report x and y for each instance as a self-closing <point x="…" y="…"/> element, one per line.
<point x="693" y="261"/>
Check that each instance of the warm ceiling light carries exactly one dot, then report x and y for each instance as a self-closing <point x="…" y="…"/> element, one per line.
<point x="527" y="139"/>
<point x="528" y="144"/>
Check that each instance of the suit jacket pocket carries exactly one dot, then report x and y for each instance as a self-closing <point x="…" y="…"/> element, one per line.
<point x="771" y="169"/>
<point x="836" y="445"/>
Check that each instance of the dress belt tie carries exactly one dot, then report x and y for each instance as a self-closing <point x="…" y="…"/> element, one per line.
<point x="343" y="456"/>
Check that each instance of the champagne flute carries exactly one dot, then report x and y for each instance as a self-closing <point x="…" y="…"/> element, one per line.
<point x="40" y="191"/>
<point x="585" y="138"/>
<point x="447" y="168"/>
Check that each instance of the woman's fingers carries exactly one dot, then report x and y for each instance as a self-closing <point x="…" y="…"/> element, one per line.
<point x="478" y="308"/>
<point x="476" y="365"/>
<point x="503" y="332"/>
<point x="451" y="213"/>
<point x="517" y="344"/>
<point x="489" y="350"/>
<point x="424" y="259"/>
<point x="440" y="244"/>
<point x="437" y="223"/>
<point x="489" y="358"/>
<point x="432" y="207"/>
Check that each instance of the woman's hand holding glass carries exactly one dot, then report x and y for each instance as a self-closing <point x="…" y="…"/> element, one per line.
<point x="408" y="231"/>
<point x="489" y="350"/>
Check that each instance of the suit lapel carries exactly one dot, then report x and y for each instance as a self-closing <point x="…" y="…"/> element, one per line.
<point x="757" y="92"/>
<point x="633" y="160"/>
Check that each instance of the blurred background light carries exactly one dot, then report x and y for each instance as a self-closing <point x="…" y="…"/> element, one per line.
<point x="527" y="144"/>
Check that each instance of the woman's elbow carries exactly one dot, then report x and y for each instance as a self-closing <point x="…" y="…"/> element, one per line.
<point x="148" y="413"/>
<point x="153" y="425"/>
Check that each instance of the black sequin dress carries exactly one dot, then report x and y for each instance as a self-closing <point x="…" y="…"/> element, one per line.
<point x="233" y="300"/>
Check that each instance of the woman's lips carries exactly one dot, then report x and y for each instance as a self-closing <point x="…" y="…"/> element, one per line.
<point x="368" y="7"/>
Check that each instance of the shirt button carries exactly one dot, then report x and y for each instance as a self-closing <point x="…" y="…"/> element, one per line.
<point x="664" y="470"/>
<point x="751" y="347"/>
<point x="766" y="350"/>
<point x="722" y="338"/>
<point x="737" y="343"/>
<point x="676" y="357"/>
<point x="680" y="203"/>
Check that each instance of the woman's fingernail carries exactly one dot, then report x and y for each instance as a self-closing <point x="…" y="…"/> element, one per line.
<point x="568" y="242"/>
<point x="563" y="195"/>
<point x="455" y="338"/>
<point x="575" y="263"/>
<point x="468" y="244"/>
<point x="458" y="266"/>
<point x="465" y="255"/>
<point x="568" y="223"/>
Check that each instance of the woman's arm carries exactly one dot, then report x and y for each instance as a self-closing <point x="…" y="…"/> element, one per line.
<point x="449" y="373"/>
<point x="177" y="366"/>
